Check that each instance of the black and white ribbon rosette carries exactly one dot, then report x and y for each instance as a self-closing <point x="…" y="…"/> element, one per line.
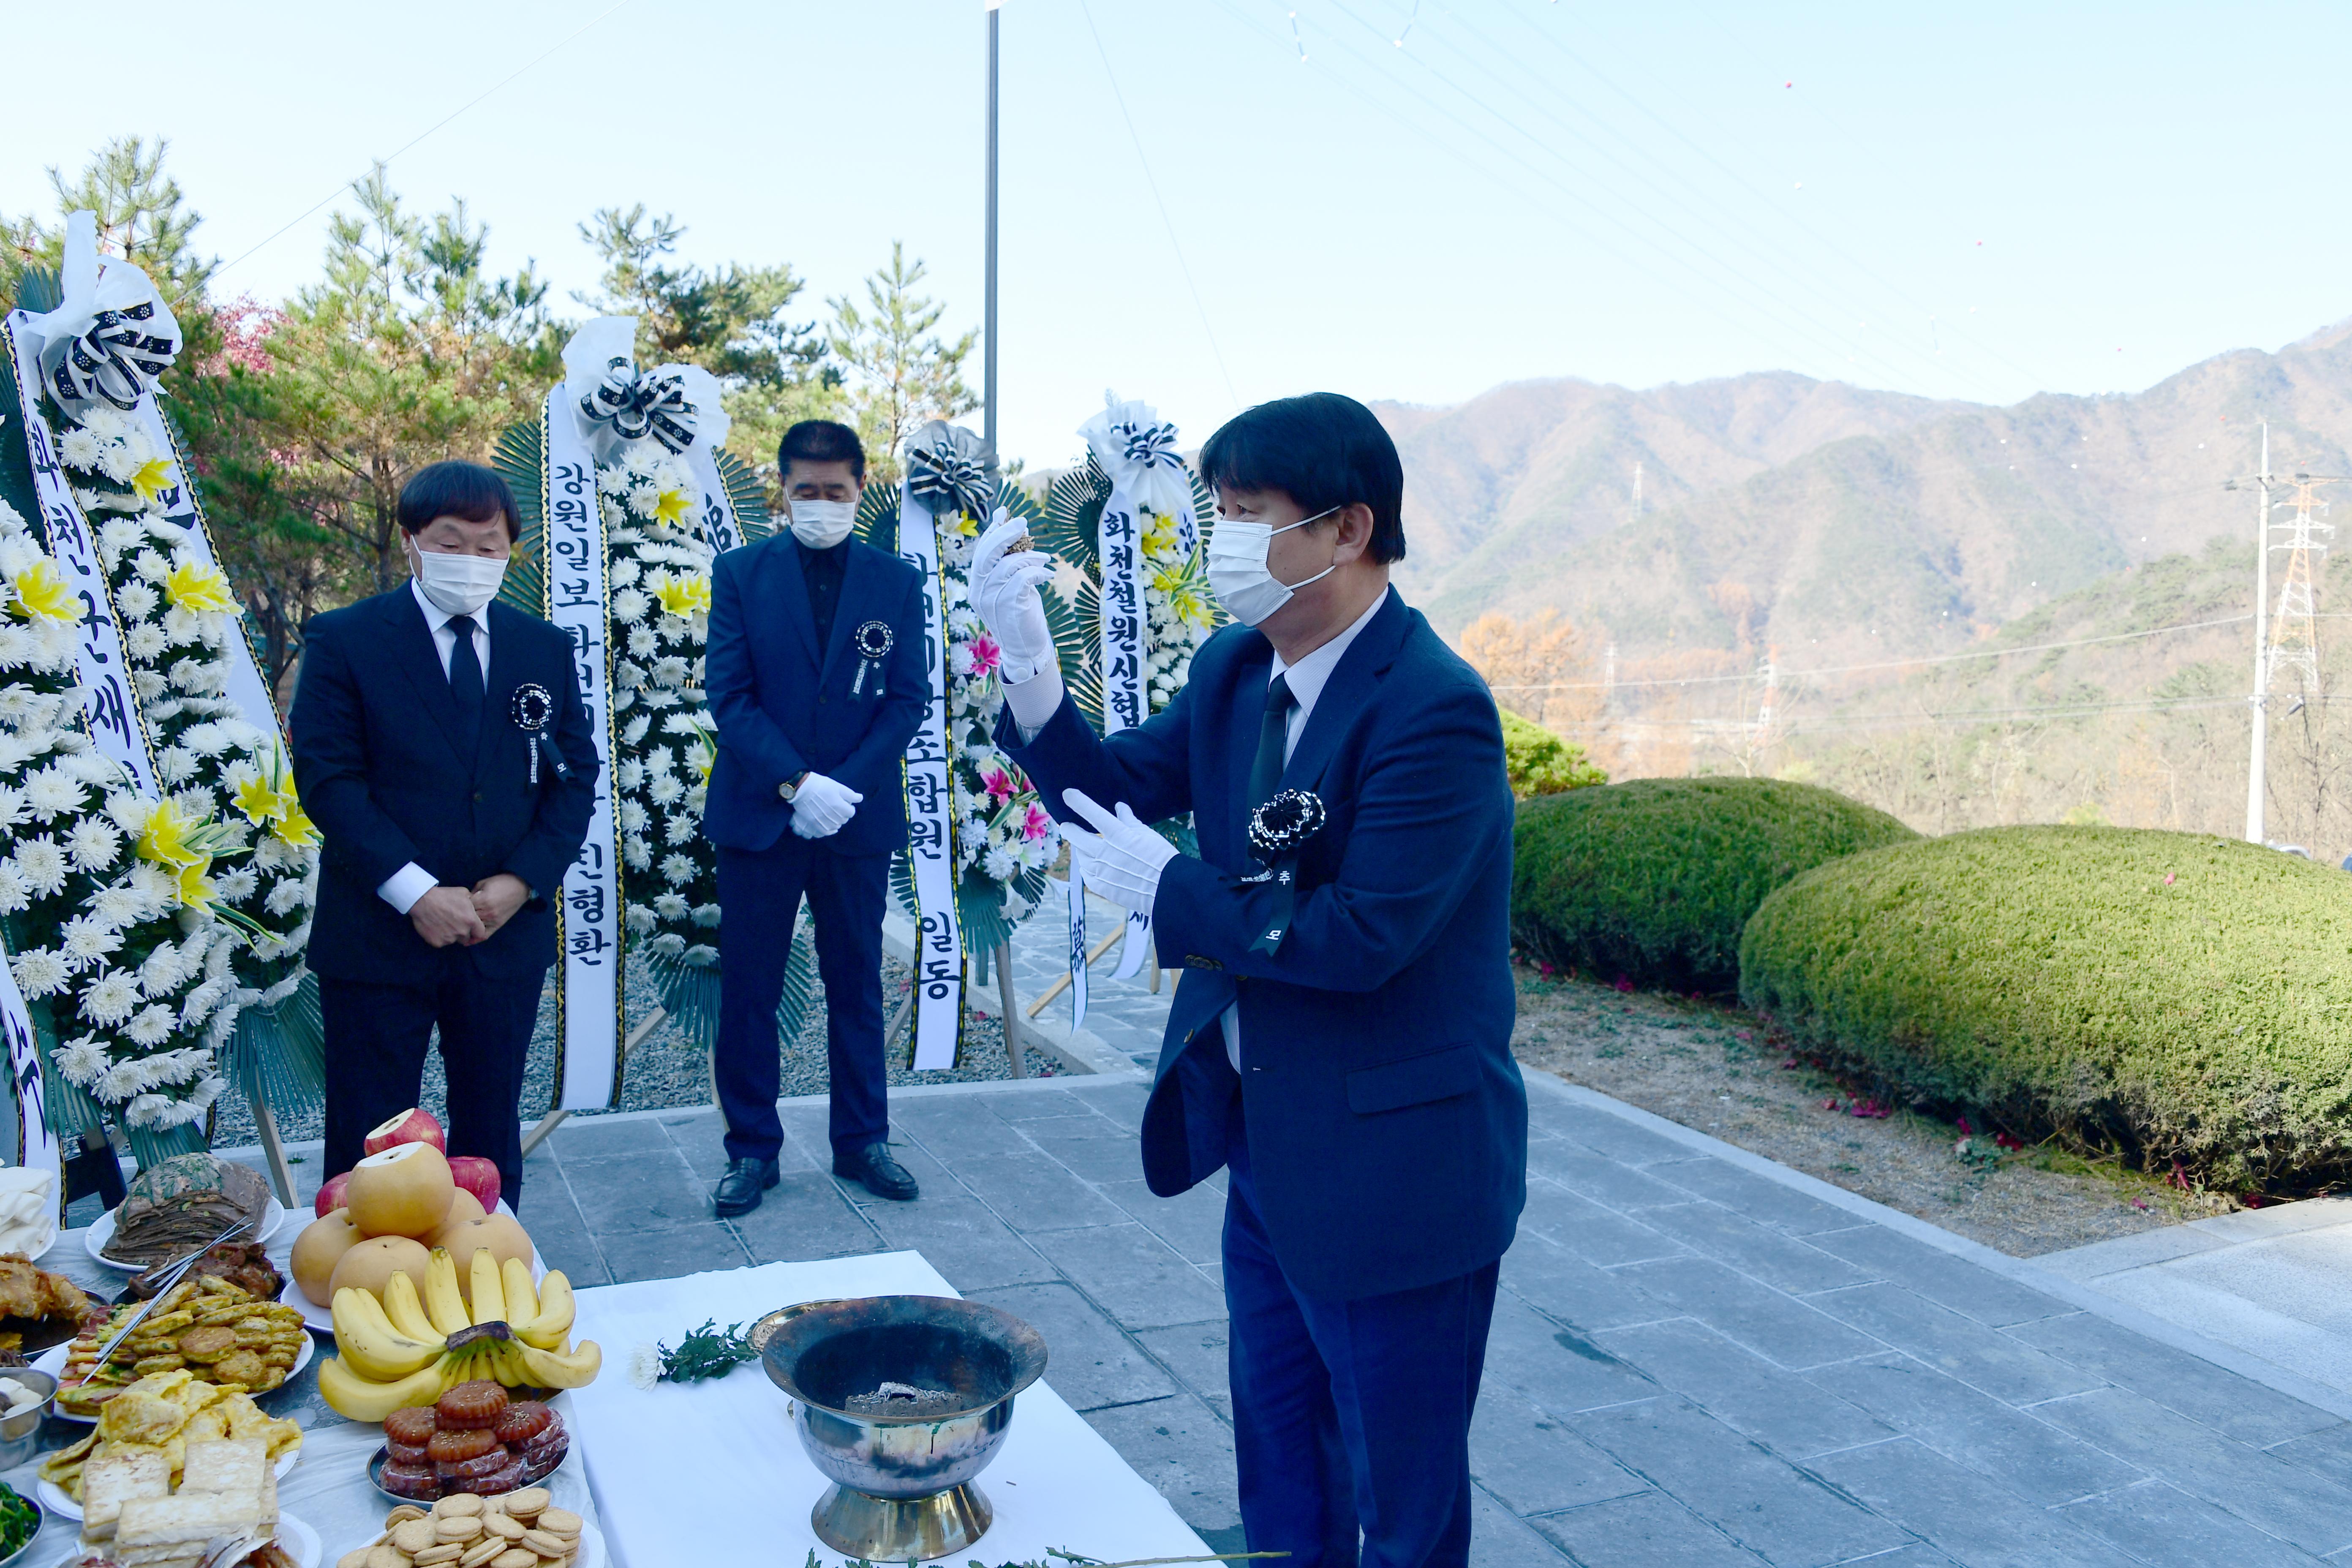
<point x="1278" y="830"/>
<point x="630" y="404"/>
<point x="872" y="640"/>
<point x="111" y="335"/>
<point x="950" y="469"/>
<point x="533" y="709"/>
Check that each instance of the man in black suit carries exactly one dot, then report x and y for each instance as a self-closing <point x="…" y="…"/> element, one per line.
<point x="442" y="857"/>
<point x="817" y="679"/>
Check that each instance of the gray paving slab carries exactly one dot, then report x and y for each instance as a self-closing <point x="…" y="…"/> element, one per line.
<point x="1534" y="1462"/>
<point x="2005" y="1367"/>
<point x="1758" y="1197"/>
<point x="2014" y="1448"/>
<point x="1193" y="1221"/>
<point x="1198" y="1354"/>
<point x="1650" y="1530"/>
<point x="1132" y="1274"/>
<point x="2161" y="1523"/>
<point x="1783" y="1514"/>
<point x="1793" y="1332"/>
<point x="1501" y="1539"/>
<point x="1033" y="1193"/>
<point x="665" y="1252"/>
<point x="1763" y="1251"/>
<point x="1953" y="1282"/>
<point x="1959" y="1512"/>
<point x="1180" y="1446"/>
<point x="2134" y="1251"/>
<point x="1599" y="1131"/>
<point x="1596" y="1234"/>
<point x="807" y="1215"/>
<point x="1581" y="1295"/>
<point x="1601" y="1177"/>
<point x="1556" y="1367"/>
<point x="957" y="1235"/>
<point x="1090" y="1362"/>
<point x="1783" y="1410"/>
<point x="2234" y="1406"/>
<point x="2325" y="1453"/>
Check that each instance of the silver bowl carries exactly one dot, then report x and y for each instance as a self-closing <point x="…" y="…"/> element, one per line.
<point x="20" y="1435"/>
<point x="903" y="1487"/>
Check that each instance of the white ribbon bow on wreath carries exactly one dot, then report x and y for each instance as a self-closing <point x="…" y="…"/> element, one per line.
<point x="110" y="336"/>
<point x="675" y="405"/>
<point x="1137" y="452"/>
<point x="950" y="470"/>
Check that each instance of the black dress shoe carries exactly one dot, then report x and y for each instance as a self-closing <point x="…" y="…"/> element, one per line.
<point x="880" y="1174"/>
<point x="740" y="1189"/>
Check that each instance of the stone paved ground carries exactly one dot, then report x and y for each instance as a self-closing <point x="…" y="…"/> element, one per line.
<point x="1696" y="1359"/>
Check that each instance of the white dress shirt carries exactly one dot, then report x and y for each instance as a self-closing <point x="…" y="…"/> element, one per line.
<point x="412" y="882"/>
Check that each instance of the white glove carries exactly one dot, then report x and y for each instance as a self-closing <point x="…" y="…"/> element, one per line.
<point x="822" y="806"/>
<point x="1004" y="591"/>
<point x="1122" y="857"/>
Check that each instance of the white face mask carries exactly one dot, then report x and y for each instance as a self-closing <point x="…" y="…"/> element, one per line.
<point x="1237" y="572"/>
<point x="821" y="524"/>
<point x="458" y="584"/>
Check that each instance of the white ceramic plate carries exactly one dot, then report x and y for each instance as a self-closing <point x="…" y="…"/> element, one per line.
<point x="57" y="1500"/>
<point x="300" y="1543"/>
<point x="53" y="1361"/>
<point x="102" y="1232"/>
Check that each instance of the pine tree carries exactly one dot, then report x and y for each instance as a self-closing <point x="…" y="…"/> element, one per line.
<point x="905" y="373"/>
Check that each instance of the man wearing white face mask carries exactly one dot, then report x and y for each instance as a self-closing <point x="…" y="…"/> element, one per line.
<point x="1340" y="1039"/>
<point x="817" y="679"/>
<point x="413" y="722"/>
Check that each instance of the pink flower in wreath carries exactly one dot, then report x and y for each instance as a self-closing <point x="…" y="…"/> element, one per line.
<point x="985" y="655"/>
<point x="1034" y="823"/>
<point x="999" y="785"/>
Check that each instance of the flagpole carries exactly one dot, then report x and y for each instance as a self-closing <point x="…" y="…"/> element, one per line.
<point x="988" y="359"/>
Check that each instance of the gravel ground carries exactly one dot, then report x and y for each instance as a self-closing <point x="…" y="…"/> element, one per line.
<point x="1710" y="1067"/>
<point x="665" y="1071"/>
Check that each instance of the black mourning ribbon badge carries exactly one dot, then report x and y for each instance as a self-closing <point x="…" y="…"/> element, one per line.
<point x="533" y="710"/>
<point x="872" y="641"/>
<point x="1278" y="830"/>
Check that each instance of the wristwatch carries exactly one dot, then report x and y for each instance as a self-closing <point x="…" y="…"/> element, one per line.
<point x="790" y="788"/>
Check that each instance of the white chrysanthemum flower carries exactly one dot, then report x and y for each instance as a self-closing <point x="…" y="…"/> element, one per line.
<point x="633" y="817"/>
<point x="706" y="914"/>
<point x="152" y="1027"/>
<point x="93" y="844"/>
<point x="677" y="868"/>
<point x="238" y="886"/>
<point x="53" y="792"/>
<point x="640" y="920"/>
<point x="80" y="449"/>
<point x="637" y="854"/>
<point x="286" y="896"/>
<point x="694" y="798"/>
<point x="630" y="774"/>
<point x="644" y="1361"/>
<point x="156" y="888"/>
<point x="656" y="698"/>
<point x="670" y="906"/>
<point x="701" y="956"/>
<point x="80" y="1061"/>
<point x="670" y="944"/>
<point x="18" y="702"/>
<point x="630" y="604"/>
<point x="163" y="971"/>
<point x="642" y="498"/>
<point x="627" y="677"/>
<point x="147" y="1110"/>
<point x="42" y="865"/>
<point x="15" y="751"/>
<point x="176" y="765"/>
<point x="665" y="790"/>
<point x="211" y="739"/>
<point x="624" y="573"/>
<point x="40" y="972"/>
<point x="109" y="999"/>
<point x="681" y="829"/>
<point x="997" y="863"/>
<point x="13" y="812"/>
<point x="670" y="671"/>
<point x="635" y="729"/>
<point x="13" y="894"/>
<point x="641" y="642"/>
<point x="86" y="938"/>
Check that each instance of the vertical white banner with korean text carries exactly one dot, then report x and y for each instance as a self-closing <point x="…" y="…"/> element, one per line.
<point x="115" y="723"/>
<point x="36" y="1146"/>
<point x="588" y="995"/>
<point x="931" y="814"/>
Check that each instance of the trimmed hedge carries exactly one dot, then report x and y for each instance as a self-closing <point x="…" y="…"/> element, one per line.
<point x="2168" y="995"/>
<point x="1540" y="762"/>
<point x="1654" y="878"/>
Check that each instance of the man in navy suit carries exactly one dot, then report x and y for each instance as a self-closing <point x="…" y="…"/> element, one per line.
<point x="1340" y="1039"/>
<point x="817" y="680"/>
<point x="442" y="856"/>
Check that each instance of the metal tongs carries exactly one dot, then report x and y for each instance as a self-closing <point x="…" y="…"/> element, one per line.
<point x="164" y="1282"/>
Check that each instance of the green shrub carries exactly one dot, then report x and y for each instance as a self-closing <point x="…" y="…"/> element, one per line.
<point x="2164" y="995"/>
<point x="1540" y="762"/>
<point x="1653" y="878"/>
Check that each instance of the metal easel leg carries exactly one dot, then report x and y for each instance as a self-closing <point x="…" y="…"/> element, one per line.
<point x="1011" y="1007"/>
<point x="554" y="1118"/>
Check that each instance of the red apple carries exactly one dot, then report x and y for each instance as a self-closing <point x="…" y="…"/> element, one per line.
<point x="478" y="1176"/>
<point x="330" y="1196"/>
<point x="411" y="1126"/>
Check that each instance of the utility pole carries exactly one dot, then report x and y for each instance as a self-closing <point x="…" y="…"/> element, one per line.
<point x="2255" y="759"/>
<point x="987" y="311"/>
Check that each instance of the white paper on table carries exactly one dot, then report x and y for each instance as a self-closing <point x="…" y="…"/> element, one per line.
<point x="691" y="1474"/>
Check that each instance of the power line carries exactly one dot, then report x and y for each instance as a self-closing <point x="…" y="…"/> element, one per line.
<point x="280" y="233"/>
<point x="1173" y="242"/>
<point x="1889" y="664"/>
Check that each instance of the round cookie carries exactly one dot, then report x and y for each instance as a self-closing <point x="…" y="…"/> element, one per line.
<point x="560" y="1521"/>
<point x="460" y="1503"/>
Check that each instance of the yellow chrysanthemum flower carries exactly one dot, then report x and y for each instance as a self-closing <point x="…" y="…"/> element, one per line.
<point x="41" y="590"/>
<point x="152" y="479"/>
<point x="295" y="827"/>
<point x="259" y="799"/>
<point x="685" y="595"/>
<point x="673" y="506"/>
<point x="193" y="585"/>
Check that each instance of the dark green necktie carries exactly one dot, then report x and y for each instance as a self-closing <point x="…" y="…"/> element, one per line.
<point x="1273" y="737"/>
<point x="466" y="676"/>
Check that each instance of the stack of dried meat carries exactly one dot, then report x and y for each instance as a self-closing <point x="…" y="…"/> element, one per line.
<point x="178" y="1205"/>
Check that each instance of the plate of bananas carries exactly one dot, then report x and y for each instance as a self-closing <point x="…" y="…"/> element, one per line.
<point x="409" y="1347"/>
<point x="204" y="1325"/>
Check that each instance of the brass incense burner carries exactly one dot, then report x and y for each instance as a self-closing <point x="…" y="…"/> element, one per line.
<point x="900" y="1401"/>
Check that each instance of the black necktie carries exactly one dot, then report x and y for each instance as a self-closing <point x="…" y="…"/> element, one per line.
<point x="1273" y="737"/>
<point x="466" y="676"/>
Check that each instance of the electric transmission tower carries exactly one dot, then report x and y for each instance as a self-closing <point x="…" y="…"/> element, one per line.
<point x="2294" y="641"/>
<point x="1639" y="510"/>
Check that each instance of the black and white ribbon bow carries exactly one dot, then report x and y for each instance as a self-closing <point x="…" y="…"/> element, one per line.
<point x="630" y="404"/>
<point x="949" y="469"/>
<point x="1151" y="445"/>
<point x="117" y="357"/>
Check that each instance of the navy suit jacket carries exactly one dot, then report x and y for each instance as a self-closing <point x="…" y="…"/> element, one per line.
<point x="381" y="771"/>
<point x="785" y="706"/>
<point x="1386" y="1119"/>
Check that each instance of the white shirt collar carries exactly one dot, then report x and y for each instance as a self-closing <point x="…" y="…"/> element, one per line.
<point x="1307" y="677"/>
<point x="437" y="619"/>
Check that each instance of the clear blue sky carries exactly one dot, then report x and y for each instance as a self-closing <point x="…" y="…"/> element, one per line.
<point x="1974" y="201"/>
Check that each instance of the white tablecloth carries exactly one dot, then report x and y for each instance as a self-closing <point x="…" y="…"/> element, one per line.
<point x="713" y="1472"/>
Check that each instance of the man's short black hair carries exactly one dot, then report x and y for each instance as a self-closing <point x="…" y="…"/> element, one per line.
<point x="820" y="441"/>
<point x="457" y="489"/>
<point x="1321" y="450"/>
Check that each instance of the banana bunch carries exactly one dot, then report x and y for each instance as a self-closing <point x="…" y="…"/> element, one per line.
<point x="408" y="1349"/>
